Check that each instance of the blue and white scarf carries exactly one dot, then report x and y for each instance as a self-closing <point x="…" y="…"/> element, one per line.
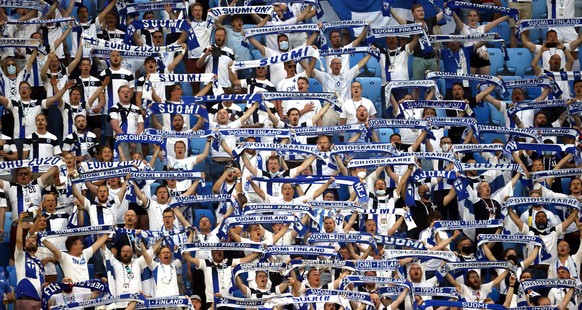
<point x="546" y="174"/>
<point x="473" y="77"/>
<point x="18" y="42"/>
<point x="528" y="24"/>
<point x="459" y="225"/>
<point x="412" y="84"/>
<point x="520" y="132"/>
<point x="452" y="5"/>
<point x="216" y="12"/>
<point x="385" y="161"/>
<point x="104" y="44"/>
<point x="385" y="148"/>
<point x="295" y="54"/>
<point x="23" y="4"/>
<point x="350" y="50"/>
<point x="513" y="238"/>
<point x="362" y="297"/>
<point x="181" y="24"/>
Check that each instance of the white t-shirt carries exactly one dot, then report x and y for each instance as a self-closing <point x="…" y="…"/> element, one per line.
<point x="166" y="279"/>
<point x="338" y="83"/>
<point x="76" y="268"/>
<point x="350" y="107"/>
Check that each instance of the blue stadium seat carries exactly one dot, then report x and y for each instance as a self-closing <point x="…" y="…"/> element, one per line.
<point x="197" y="145"/>
<point x="539" y="10"/>
<point x="503" y="30"/>
<point x="519" y="61"/>
<point x="533" y="92"/>
<point x="8" y="223"/>
<point x="378" y="106"/>
<point x="204" y="212"/>
<point x="206" y="189"/>
<point x="354" y="58"/>
<point x="496" y="59"/>
<point x="373" y="66"/>
<point x="384" y="134"/>
<point x="315" y="86"/>
<point x="153" y="187"/>
<point x="12" y="278"/>
<point x="371" y="87"/>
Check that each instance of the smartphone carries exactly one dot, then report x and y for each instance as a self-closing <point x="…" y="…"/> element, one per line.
<point x="28" y="217"/>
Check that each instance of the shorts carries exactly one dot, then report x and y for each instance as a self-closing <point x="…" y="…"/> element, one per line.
<point x="478" y="62"/>
<point x="525" y="11"/>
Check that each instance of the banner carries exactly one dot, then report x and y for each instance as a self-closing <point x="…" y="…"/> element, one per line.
<point x="79" y="231"/>
<point x="27" y="43"/>
<point x="546" y="174"/>
<point x="328" y="130"/>
<point x="222" y="246"/>
<point x="283" y="148"/>
<point x="362" y="297"/>
<point x="300" y="250"/>
<point x="367" y="148"/>
<point x="25" y="4"/>
<point x="400" y="242"/>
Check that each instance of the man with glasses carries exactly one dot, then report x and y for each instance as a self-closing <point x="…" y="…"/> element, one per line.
<point x="24" y="194"/>
<point x="25" y="111"/>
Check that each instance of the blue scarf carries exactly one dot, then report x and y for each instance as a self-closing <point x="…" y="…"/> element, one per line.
<point x="181" y="24"/>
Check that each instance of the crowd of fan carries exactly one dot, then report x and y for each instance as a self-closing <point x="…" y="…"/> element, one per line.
<point x="72" y="105"/>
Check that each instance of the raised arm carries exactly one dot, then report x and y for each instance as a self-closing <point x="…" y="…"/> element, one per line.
<point x="249" y="112"/>
<point x="570" y="219"/>
<point x="75" y="62"/>
<point x="200" y="157"/>
<point x="398" y="19"/>
<point x="321" y="112"/>
<point x="257" y="189"/>
<point x="496" y="22"/>
<point x="535" y="63"/>
<point x="178" y="58"/>
<point x="101" y="17"/>
<point x="140" y="195"/>
<point x="99" y="242"/>
<point x="525" y="42"/>
<point x="515" y="218"/>
<point x="47" y="244"/>
<point x="60" y="93"/>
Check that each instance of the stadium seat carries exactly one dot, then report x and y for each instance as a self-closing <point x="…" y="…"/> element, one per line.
<point x="378" y="106"/>
<point x="12" y="278"/>
<point x="371" y="87"/>
<point x="197" y="145"/>
<point x="373" y="66"/>
<point x="533" y="92"/>
<point x="503" y="30"/>
<point x="204" y="212"/>
<point x="315" y="86"/>
<point x="496" y="59"/>
<point x="539" y="10"/>
<point x="205" y="190"/>
<point x="153" y="187"/>
<point x="384" y="134"/>
<point x="519" y="61"/>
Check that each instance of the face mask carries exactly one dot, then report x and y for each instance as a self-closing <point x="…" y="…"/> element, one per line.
<point x="512" y="258"/>
<point x="380" y="192"/>
<point x="284" y="45"/>
<point x="548" y="153"/>
<point x="361" y="174"/>
<point x="541" y="226"/>
<point x="11" y="69"/>
<point x="467" y="249"/>
<point x="274" y="174"/>
<point x="446" y="147"/>
<point x="426" y="195"/>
